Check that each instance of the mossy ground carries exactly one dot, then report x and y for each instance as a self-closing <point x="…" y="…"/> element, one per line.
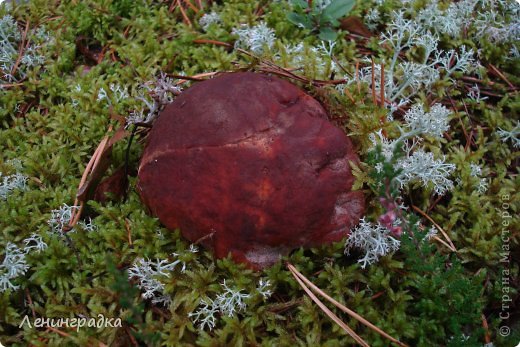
<point x="424" y="297"/>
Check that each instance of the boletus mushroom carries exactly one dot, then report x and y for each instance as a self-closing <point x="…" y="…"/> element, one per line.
<point x="248" y="164"/>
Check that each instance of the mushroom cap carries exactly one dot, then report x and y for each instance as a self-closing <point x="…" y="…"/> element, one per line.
<point x="248" y="164"/>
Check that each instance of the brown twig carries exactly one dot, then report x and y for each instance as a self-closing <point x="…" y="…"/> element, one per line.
<point x="501" y="75"/>
<point x="377" y="295"/>
<point x="131" y="336"/>
<point x="126" y="31"/>
<point x="451" y="246"/>
<point x="342" y="307"/>
<point x="259" y="10"/>
<point x="468" y="139"/>
<point x="358" y="82"/>
<point x="59" y="332"/>
<point x="270" y="67"/>
<point x="205" y="237"/>
<point x="128" y="232"/>
<point x="374" y="100"/>
<point x="29" y="300"/>
<point x="198" y="77"/>
<point x="284" y="306"/>
<point x="21" y="49"/>
<point x="383" y="99"/>
<point x="434" y="203"/>
<point x="75" y="215"/>
<point x="347" y="93"/>
<point x="326" y="310"/>
<point x="438" y="239"/>
<point x="9" y="85"/>
<point x="476" y="80"/>
<point x="172" y="6"/>
<point x="214" y="42"/>
<point x="485" y="92"/>
<point x="113" y="55"/>
<point x="338" y="63"/>
<point x="188" y="2"/>
<point x="161" y="313"/>
<point x="101" y="55"/>
<point x="184" y="15"/>
<point x="487" y="336"/>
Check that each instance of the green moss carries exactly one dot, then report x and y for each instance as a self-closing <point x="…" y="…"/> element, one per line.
<point x="421" y="295"/>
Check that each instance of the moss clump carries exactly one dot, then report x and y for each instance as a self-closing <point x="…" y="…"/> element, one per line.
<point x="98" y="54"/>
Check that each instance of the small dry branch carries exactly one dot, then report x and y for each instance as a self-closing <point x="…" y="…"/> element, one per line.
<point x="303" y="281"/>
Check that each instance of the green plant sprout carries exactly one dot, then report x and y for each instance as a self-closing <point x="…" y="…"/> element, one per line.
<point x="320" y="16"/>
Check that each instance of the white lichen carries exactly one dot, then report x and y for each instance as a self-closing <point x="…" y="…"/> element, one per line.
<point x="14" y="264"/>
<point x="255" y="38"/>
<point x="451" y="21"/>
<point x="34" y="242"/>
<point x="10" y="183"/>
<point x="512" y="135"/>
<point x="60" y="218"/>
<point x="433" y="123"/>
<point x="204" y="317"/>
<point x="404" y="79"/>
<point x="264" y="288"/>
<point x="88" y="225"/>
<point x="374" y="240"/>
<point x="208" y="19"/>
<point x="431" y="233"/>
<point x="150" y="276"/>
<point x="372" y="18"/>
<point x="424" y="168"/>
<point x="229" y="303"/>
<point x="475" y="170"/>
<point x="154" y="95"/>
<point x="474" y="94"/>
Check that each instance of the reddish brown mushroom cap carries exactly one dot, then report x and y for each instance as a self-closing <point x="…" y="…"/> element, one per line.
<point x="250" y="164"/>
